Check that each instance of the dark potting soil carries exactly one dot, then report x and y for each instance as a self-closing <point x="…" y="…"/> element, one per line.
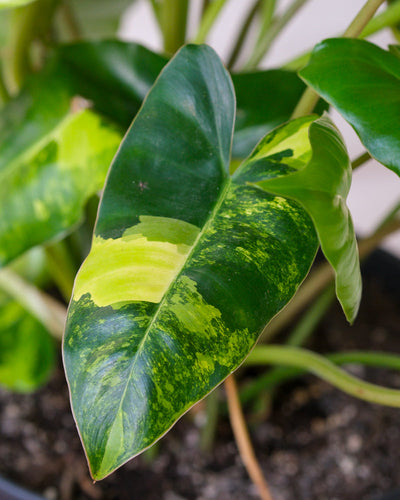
<point x="315" y="444"/>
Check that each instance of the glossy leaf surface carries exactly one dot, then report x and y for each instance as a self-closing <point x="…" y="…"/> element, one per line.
<point x="265" y="99"/>
<point x="116" y="76"/>
<point x="27" y="352"/>
<point x="52" y="159"/>
<point x="187" y="266"/>
<point x="320" y="180"/>
<point x="362" y="81"/>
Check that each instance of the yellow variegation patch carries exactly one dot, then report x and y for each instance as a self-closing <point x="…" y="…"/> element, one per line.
<point x="139" y="266"/>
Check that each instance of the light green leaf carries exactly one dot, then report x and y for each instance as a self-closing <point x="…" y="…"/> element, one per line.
<point x="27" y="352"/>
<point x="319" y="177"/>
<point x="366" y="93"/>
<point x="187" y="266"/>
<point x="52" y="159"/>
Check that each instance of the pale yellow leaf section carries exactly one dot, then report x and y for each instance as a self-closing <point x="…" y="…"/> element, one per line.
<point x="139" y="266"/>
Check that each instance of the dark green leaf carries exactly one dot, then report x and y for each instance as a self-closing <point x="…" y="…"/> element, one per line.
<point x="114" y="75"/>
<point x="265" y="99"/>
<point x="321" y="183"/>
<point x="362" y="81"/>
<point x="52" y="159"/>
<point x="187" y="266"/>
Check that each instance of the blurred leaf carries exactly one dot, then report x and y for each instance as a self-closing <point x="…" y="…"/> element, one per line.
<point x="321" y="183"/>
<point x="52" y="159"/>
<point x="8" y="4"/>
<point x="362" y="81"/>
<point x="27" y="352"/>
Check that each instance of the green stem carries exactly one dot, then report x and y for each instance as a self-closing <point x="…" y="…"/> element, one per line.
<point x="71" y="21"/>
<point x="208" y="19"/>
<point x="61" y="267"/>
<point x="4" y="94"/>
<point x="157" y="11"/>
<point x="173" y="16"/>
<point x="388" y="18"/>
<point x="244" y="31"/>
<point x="47" y="310"/>
<point x="360" y="160"/>
<point x="208" y="431"/>
<point x="281" y="374"/>
<point x="310" y="98"/>
<point x="326" y="370"/>
<point x="261" y="49"/>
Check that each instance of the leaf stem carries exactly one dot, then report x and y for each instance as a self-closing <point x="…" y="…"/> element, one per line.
<point x="47" y="310"/>
<point x="210" y="426"/>
<point x="388" y="18"/>
<point x="71" y="21"/>
<point x="360" y="160"/>
<point x="320" y="278"/>
<point x="269" y="35"/>
<point x="244" y="31"/>
<point x="208" y="19"/>
<point x="173" y="18"/>
<point x="325" y="369"/>
<point x="61" y="267"/>
<point x="310" y="98"/>
<point x="243" y="439"/>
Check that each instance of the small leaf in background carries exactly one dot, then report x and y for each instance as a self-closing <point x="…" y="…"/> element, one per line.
<point x="265" y="99"/>
<point x="321" y="184"/>
<point x="115" y="76"/>
<point x="362" y="81"/>
<point x="186" y="268"/>
<point x="27" y="352"/>
<point x="52" y="159"/>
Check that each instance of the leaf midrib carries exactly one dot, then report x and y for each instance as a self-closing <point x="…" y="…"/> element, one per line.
<point x="206" y="225"/>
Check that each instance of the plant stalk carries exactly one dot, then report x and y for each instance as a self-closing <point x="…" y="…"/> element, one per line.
<point x="244" y="31"/>
<point x="173" y="17"/>
<point x="310" y="98"/>
<point x="47" y="310"/>
<point x="61" y="267"/>
<point x="360" y="160"/>
<point x="325" y="369"/>
<point x="208" y="431"/>
<point x="243" y="439"/>
<point x="263" y="45"/>
<point x="208" y="20"/>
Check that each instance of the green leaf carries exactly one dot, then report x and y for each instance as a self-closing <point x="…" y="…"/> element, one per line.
<point x="366" y="93"/>
<point x="27" y="353"/>
<point x="115" y="76"/>
<point x="319" y="178"/>
<point x="52" y="159"/>
<point x="7" y="4"/>
<point x="186" y="267"/>
<point x="265" y="99"/>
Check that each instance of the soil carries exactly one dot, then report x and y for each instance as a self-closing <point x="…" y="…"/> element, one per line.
<point x="316" y="443"/>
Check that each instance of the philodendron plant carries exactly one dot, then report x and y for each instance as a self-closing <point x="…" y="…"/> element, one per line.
<point x="220" y="191"/>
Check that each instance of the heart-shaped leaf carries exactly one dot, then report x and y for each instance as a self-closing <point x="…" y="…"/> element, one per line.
<point x="52" y="159"/>
<point x="187" y="266"/>
<point x="362" y="81"/>
<point x="321" y="184"/>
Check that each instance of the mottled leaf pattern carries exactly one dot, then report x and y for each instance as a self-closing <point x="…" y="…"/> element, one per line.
<point x="321" y="183"/>
<point x="186" y="268"/>
<point x="362" y="81"/>
<point x="52" y="159"/>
